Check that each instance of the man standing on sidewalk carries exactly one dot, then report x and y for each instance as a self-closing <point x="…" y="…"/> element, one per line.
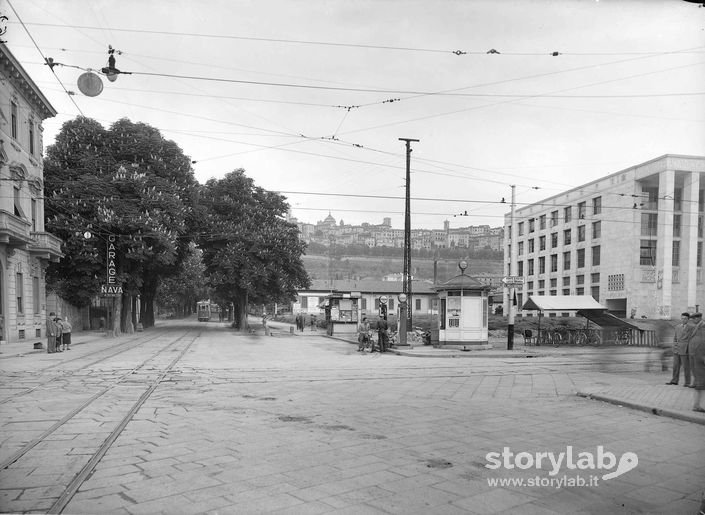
<point x="697" y="353"/>
<point x="51" y="333"/>
<point x="682" y="334"/>
<point x="382" y="328"/>
<point x="691" y="359"/>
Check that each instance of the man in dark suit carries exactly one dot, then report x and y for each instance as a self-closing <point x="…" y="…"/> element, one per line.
<point x="382" y="337"/>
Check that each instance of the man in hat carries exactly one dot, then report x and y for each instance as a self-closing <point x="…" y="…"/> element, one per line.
<point x="51" y="333"/>
<point x="382" y="334"/>
<point x="696" y="351"/>
<point x="681" y="336"/>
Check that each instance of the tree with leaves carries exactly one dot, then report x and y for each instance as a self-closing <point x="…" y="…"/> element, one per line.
<point x="181" y="292"/>
<point x="251" y="253"/>
<point x="127" y="182"/>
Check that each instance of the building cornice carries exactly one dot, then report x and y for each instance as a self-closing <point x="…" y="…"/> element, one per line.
<point x="666" y="160"/>
<point x="13" y="70"/>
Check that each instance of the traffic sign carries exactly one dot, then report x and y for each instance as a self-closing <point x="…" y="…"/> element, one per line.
<point x="513" y="280"/>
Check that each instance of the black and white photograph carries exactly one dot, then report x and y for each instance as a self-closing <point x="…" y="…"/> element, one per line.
<point x="357" y="257"/>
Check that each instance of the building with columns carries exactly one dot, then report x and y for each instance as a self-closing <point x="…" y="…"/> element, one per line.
<point x="25" y="248"/>
<point x="633" y="240"/>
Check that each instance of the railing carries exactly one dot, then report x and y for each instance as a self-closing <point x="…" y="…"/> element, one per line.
<point x="13" y="224"/>
<point x="45" y="242"/>
<point x="598" y="337"/>
<point x="632" y="337"/>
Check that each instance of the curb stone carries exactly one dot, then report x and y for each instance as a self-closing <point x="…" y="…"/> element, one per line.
<point x="641" y="407"/>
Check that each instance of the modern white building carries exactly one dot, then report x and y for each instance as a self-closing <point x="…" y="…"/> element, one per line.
<point x="25" y="248"/>
<point x="633" y="240"/>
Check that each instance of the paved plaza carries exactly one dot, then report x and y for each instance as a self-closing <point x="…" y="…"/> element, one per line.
<point x="193" y="418"/>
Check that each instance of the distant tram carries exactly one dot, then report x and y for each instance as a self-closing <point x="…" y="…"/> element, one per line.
<point x="203" y="308"/>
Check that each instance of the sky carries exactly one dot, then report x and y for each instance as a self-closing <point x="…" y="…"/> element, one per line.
<point x="311" y="98"/>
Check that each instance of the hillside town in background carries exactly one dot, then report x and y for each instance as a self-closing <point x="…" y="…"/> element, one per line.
<point x="328" y="232"/>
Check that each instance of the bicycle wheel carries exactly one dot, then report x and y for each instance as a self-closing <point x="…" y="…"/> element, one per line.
<point x="557" y="339"/>
<point x="580" y="339"/>
<point x="595" y="339"/>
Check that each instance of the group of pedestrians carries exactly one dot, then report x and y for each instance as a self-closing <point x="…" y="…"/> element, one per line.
<point x="301" y="322"/>
<point x="365" y="336"/>
<point x="58" y="334"/>
<point x="689" y="355"/>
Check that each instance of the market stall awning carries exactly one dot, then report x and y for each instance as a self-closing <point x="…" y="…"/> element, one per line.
<point x="605" y="319"/>
<point x="562" y="303"/>
<point x="583" y="305"/>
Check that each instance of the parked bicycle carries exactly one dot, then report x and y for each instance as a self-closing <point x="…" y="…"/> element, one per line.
<point x="553" y="337"/>
<point x="419" y="336"/>
<point x="623" y="337"/>
<point x="588" y="337"/>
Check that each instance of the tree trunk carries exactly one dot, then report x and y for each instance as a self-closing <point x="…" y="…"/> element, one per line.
<point x="134" y="311"/>
<point x="149" y="292"/>
<point x="116" y="311"/>
<point x="126" y="315"/>
<point x="240" y="312"/>
<point x="147" y="310"/>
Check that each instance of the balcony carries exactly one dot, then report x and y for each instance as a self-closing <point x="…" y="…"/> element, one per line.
<point x="45" y="246"/>
<point x="14" y="231"/>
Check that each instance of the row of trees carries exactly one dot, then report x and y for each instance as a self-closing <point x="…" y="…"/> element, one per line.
<point x="127" y="183"/>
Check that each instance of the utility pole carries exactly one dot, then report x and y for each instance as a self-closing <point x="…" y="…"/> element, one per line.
<point x="512" y="265"/>
<point x="407" y="235"/>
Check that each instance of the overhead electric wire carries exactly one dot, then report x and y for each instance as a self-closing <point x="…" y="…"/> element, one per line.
<point x="489" y="51"/>
<point x="514" y="99"/>
<point x="538" y="95"/>
<point x="127" y="55"/>
<point x="43" y="56"/>
<point x="609" y="113"/>
<point x="337" y="139"/>
<point x="451" y="92"/>
<point x="437" y="93"/>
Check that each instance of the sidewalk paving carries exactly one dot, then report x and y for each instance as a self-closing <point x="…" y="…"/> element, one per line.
<point x="650" y="395"/>
<point x="14" y="349"/>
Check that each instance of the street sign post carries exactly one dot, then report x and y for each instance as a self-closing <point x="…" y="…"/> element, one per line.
<point x="513" y="280"/>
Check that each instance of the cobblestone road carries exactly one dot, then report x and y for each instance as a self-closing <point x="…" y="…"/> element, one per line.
<point x="304" y="424"/>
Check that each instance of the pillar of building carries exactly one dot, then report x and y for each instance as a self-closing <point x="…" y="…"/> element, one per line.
<point x="689" y="237"/>
<point x="664" y="245"/>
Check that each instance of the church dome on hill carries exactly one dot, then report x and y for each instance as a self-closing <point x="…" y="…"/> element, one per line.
<point x="329" y="220"/>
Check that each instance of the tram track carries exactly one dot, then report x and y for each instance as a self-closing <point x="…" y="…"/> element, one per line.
<point x="119" y="348"/>
<point x="88" y="468"/>
<point x="181" y="345"/>
<point x="274" y="376"/>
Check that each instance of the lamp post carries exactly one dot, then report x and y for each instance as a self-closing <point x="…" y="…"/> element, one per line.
<point x="402" y="318"/>
<point x="512" y="269"/>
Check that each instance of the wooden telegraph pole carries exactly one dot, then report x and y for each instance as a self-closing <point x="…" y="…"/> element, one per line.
<point x="407" y="241"/>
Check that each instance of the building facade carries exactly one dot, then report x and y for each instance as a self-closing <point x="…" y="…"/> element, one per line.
<point x="25" y="248"/>
<point x="369" y="292"/>
<point x="633" y="240"/>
